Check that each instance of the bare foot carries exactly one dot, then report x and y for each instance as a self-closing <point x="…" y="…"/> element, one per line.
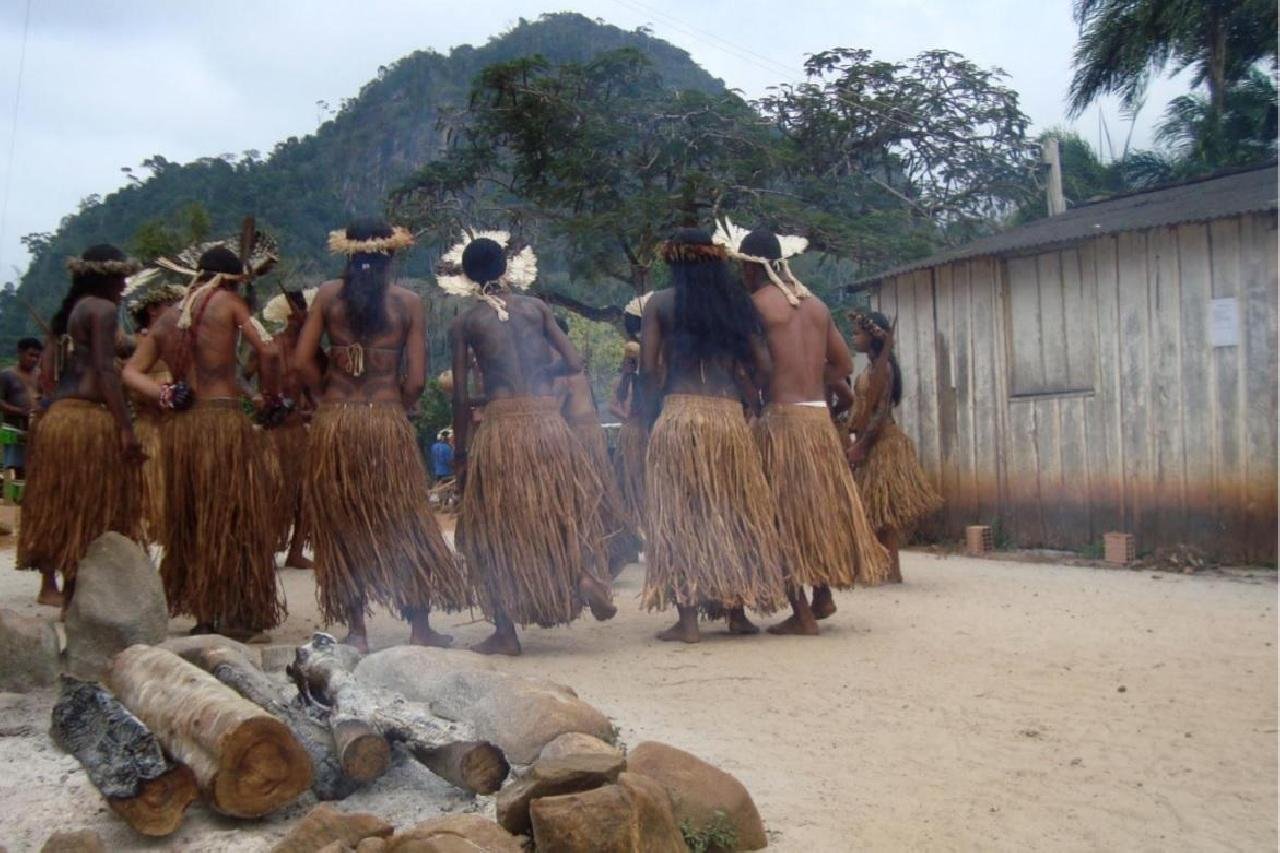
<point x="50" y="598"/>
<point x="430" y="638"/>
<point x="598" y="599"/>
<point x="681" y="633"/>
<point x="299" y="562"/>
<point x="498" y="644"/>
<point x="824" y="606"/>
<point x="740" y="624"/>
<point x="360" y="641"/>
<point x="795" y="625"/>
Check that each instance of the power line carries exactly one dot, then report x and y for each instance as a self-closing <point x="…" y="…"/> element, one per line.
<point x="13" y="135"/>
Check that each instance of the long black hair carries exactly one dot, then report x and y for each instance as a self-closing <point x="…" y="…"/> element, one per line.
<point x="88" y="283"/>
<point x="365" y="281"/>
<point x="714" y="315"/>
<point x="877" y="346"/>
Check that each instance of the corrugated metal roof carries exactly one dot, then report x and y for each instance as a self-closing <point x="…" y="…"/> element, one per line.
<point x="1194" y="201"/>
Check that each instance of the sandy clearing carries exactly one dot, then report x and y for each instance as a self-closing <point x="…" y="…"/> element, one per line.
<point x="978" y="706"/>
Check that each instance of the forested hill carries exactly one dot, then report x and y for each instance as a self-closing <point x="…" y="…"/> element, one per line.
<point x="311" y="184"/>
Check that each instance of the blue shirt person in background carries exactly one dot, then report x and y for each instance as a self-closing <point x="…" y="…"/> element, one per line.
<point x="442" y="455"/>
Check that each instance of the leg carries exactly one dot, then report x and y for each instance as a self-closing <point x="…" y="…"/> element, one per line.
<point x="420" y="633"/>
<point x="49" y="595"/>
<point x="801" y="621"/>
<point x="598" y="597"/>
<point x="295" y="558"/>
<point x="68" y="592"/>
<point x="357" y="633"/>
<point x="740" y="624"/>
<point x="686" y="628"/>
<point x="889" y="539"/>
<point x="824" y="606"/>
<point x="503" y="641"/>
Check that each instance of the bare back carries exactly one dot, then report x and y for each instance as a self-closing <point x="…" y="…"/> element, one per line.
<point x="91" y="320"/>
<point x="799" y="345"/>
<point x="370" y="368"/>
<point x="717" y="377"/>
<point x="517" y="356"/>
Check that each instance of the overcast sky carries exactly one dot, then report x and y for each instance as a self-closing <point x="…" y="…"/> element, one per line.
<point x="108" y="83"/>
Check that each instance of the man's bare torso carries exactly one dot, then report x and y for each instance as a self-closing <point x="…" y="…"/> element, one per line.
<point x="515" y="356"/>
<point x="212" y="368"/>
<point x="797" y="338"/>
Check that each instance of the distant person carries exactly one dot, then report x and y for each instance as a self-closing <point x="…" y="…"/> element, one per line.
<point x="85" y="474"/>
<point x="19" y="399"/>
<point x="529" y="525"/>
<point x="365" y="494"/>
<point x="712" y="544"/>
<point x="895" y="491"/>
<point x="826" y="540"/>
<point x="633" y="435"/>
<point x="442" y="455"/>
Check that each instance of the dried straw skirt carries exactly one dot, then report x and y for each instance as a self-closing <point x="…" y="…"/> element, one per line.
<point x="530" y="526"/>
<point x="711" y="536"/>
<point x="629" y="463"/>
<point x="895" y="491"/>
<point x="78" y="487"/>
<point x="825" y="537"/>
<point x="365" y="495"/>
<point x="220" y="533"/>
<point x="289" y="444"/>
<point x="150" y="429"/>
<point x="622" y="545"/>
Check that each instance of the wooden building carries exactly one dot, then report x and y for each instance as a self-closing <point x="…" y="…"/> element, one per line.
<point x="1110" y="368"/>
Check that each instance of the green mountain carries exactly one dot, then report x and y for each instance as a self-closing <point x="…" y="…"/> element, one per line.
<point x="309" y="185"/>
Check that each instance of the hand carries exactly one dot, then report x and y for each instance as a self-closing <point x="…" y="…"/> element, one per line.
<point x="857" y="453"/>
<point x="131" y="448"/>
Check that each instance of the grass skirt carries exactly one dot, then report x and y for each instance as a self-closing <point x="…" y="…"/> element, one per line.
<point x="220" y="478"/>
<point x="711" y="536"/>
<point x="825" y="537"/>
<point x="147" y="426"/>
<point x="622" y="545"/>
<point x="289" y="444"/>
<point x="629" y="464"/>
<point x="366" y="497"/>
<point x="78" y="487"/>
<point x="895" y="491"/>
<point x="530" y="525"/>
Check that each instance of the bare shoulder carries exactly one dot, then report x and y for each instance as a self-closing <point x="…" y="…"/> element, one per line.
<point x="328" y="290"/>
<point x="817" y="309"/>
<point x="662" y="301"/>
<point x="406" y="297"/>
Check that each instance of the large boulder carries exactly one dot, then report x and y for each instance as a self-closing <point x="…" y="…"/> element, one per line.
<point x="704" y="797"/>
<point x="576" y="743"/>
<point x="633" y="816"/>
<point x="28" y="652"/>
<point x="119" y="602"/>
<point x="521" y="715"/>
<point x="553" y="776"/>
<point x="457" y="832"/>
<point x="325" y="825"/>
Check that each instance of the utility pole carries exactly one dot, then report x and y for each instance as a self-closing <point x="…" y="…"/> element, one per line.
<point x="1049" y="155"/>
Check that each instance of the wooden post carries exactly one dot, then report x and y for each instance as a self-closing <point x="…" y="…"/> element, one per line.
<point x="1049" y="153"/>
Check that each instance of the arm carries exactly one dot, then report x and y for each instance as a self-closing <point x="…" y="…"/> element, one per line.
<point x="139" y="365"/>
<point x="570" y="361"/>
<point x="415" y="353"/>
<point x="7" y="387"/>
<point x="102" y="354"/>
<point x="838" y="367"/>
<point x="307" y="350"/>
<point x="843" y="394"/>
<point x="649" y="397"/>
<point x="461" y="409"/>
<point x="619" y="405"/>
<point x="268" y="353"/>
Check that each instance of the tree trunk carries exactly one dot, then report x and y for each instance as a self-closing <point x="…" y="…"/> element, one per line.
<point x="328" y="782"/>
<point x="246" y="761"/>
<point x="123" y="759"/>
<point x="1217" y="60"/>
<point x="323" y="673"/>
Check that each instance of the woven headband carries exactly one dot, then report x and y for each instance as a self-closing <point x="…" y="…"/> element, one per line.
<point x="866" y="324"/>
<point x="79" y="266"/>
<point x="691" y="253"/>
<point x="341" y="244"/>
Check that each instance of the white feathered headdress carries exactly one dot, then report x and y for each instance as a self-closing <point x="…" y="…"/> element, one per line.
<point x="779" y="270"/>
<point x="278" y="309"/>
<point x="522" y="270"/>
<point x="636" y="306"/>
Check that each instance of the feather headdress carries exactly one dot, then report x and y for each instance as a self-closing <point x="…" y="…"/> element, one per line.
<point x="636" y="306"/>
<point x="778" y="269"/>
<point x="261" y="257"/>
<point x="521" y="272"/>
<point x="79" y="266"/>
<point x="341" y="244"/>
<point x="864" y="322"/>
<point x="278" y="308"/>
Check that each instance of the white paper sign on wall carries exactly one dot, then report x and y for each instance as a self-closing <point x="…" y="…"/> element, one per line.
<point x="1224" y="322"/>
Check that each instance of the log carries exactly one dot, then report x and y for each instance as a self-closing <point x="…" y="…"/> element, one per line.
<point x="322" y="669"/>
<point x="328" y="781"/>
<point x="245" y="761"/>
<point x="122" y="757"/>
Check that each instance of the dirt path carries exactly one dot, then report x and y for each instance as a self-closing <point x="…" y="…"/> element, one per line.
<point x="983" y="705"/>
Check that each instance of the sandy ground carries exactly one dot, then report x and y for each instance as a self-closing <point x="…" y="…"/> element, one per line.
<point x="982" y="705"/>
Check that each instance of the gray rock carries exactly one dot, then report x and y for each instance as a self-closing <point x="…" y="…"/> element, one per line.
<point x="521" y="715"/>
<point x="28" y="652"/>
<point x="119" y="602"/>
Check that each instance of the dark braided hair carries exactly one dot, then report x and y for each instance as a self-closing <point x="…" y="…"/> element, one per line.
<point x="365" y="281"/>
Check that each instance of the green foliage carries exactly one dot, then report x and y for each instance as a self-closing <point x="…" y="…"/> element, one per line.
<point x="435" y="412"/>
<point x="155" y="237"/>
<point x="601" y="346"/>
<point x="718" y="834"/>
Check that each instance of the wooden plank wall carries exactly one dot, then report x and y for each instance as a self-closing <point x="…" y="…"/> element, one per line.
<point x="1177" y="441"/>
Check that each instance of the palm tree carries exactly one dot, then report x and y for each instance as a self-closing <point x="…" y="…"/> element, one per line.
<point x="1244" y="132"/>
<point x="1123" y="43"/>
